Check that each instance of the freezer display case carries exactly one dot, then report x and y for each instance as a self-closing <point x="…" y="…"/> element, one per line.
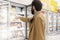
<point x="58" y="22"/>
<point x="16" y="26"/>
<point x="51" y="22"/>
<point x="10" y="27"/>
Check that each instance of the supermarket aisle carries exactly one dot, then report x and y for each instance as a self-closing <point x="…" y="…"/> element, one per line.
<point x="17" y="27"/>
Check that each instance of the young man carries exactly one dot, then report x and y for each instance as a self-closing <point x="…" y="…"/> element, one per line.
<point x="37" y="23"/>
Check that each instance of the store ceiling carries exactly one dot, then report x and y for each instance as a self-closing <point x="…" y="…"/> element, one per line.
<point x="25" y="2"/>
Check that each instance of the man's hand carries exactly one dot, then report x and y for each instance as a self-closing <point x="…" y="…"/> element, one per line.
<point x="17" y="17"/>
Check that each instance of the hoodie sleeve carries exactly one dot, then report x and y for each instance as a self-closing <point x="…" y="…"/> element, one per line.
<point x="25" y="19"/>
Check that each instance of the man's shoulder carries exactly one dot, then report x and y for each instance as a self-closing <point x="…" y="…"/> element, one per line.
<point x="41" y="16"/>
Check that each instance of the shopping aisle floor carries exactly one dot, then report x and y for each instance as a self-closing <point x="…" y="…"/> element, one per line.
<point x="54" y="37"/>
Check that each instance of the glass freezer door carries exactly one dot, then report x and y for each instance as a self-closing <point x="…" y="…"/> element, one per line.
<point x="3" y="21"/>
<point x="16" y="26"/>
<point x="11" y="28"/>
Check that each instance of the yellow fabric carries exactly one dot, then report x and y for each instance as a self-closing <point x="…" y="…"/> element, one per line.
<point x="37" y="27"/>
<point x="51" y="5"/>
<point x="25" y="19"/>
<point x="55" y="5"/>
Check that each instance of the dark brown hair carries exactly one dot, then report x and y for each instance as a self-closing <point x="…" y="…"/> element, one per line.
<point x="38" y="6"/>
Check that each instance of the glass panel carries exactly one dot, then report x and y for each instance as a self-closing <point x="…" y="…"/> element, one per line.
<point x="3" y="21"/>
